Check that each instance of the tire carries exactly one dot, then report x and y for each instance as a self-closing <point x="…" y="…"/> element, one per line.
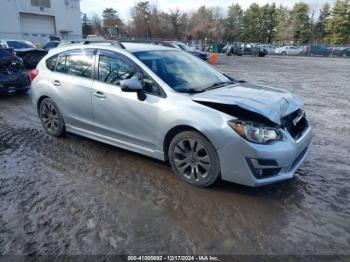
<point x="51" y="118"/>
<point x="284" y="53"/>
<point x="194" y="159"/>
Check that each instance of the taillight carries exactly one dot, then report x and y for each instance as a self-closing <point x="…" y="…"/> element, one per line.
<point x="33" y="74"/>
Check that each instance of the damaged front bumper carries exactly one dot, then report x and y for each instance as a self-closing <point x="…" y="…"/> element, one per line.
<point x="255" y="165"/>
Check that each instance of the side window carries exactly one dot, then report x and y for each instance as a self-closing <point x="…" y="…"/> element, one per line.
<point x="61" y="64"/>
<point x="51" y="62"/>
<point x="79" y="65"/>
<point x="113" y="70"/>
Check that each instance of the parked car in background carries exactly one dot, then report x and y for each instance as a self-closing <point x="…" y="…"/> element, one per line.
<point x="252" y="49"/>
<point x="13" y="76"/>
<point x="164" y="103"/>
<point x="233" y="49"/>
<point x="289" y="50"/>
<point x="226" y="47"/>
<point x="51" y="44"/>
<point x="186" y="48"/>
<point x="270" y="49"/>
<point x="342" y="52"/>
<point x="26" y="50"/>
<point x="172" y="44"/>
<point x="317" y="50"/>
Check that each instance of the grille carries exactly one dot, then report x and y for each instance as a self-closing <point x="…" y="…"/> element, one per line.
<point x="295" y="123"/>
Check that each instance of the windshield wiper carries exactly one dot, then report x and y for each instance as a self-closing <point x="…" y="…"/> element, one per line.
<point x="191" y="91"/>
<point x="218" y="85"/>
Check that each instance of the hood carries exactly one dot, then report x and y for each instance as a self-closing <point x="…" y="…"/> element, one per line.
<point x="269" y="102"/>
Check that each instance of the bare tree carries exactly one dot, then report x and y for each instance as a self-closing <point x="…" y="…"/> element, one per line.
<point x="96" y="24"/>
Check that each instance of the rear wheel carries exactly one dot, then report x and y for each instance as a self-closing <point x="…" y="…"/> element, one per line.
<point x="51" y="118"/>
<point x="194" y="159"/>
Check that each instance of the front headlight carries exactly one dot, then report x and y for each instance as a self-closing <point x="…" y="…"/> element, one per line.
<point x="255" y="133"/>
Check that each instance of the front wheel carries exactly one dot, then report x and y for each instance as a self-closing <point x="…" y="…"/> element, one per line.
<point x="51" y="118"/>
<point x="194" y="159"/>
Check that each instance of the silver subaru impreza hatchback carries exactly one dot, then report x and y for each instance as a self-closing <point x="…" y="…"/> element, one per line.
<point x="170" y="105"/>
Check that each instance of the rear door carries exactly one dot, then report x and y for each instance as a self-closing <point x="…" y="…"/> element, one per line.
<point x="293" y="50"/>
<point x="72" y="81"/>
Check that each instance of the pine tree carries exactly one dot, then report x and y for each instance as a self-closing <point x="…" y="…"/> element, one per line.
<point x="252" y="23"/>
<point x="268" y="18"/>
<point x="234" y="23"/>
<point x="284" y="29"/>
<point x="320" y="28"/>
<point x="338" y="26"/>
<point x="301" y="23"/>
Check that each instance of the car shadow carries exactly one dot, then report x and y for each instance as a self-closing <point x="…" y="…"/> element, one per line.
<point x="279" y="190"/>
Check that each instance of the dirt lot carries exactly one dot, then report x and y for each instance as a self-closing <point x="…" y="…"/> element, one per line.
<point x="78" y="196"/>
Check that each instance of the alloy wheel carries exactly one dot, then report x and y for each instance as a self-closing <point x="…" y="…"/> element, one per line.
<point x="50" y="117"/>
<point x="192" y="159"/>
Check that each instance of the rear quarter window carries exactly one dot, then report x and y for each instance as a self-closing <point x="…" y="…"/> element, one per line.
<point x="61" y="65"/>
<point x="51" y="63"/>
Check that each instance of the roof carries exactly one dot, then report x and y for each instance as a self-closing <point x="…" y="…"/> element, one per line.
<point x="129" y="47"/>
<point x="137" y="47"/>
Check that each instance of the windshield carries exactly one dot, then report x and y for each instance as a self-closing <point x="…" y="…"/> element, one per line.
<point x="181" y="71"/>
<point x="20" y="44"/>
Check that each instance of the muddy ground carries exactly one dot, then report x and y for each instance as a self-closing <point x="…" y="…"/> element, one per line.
<point x="78" y="196"/>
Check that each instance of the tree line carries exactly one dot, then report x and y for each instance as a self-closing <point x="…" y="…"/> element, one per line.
<point x="261" y="24"/>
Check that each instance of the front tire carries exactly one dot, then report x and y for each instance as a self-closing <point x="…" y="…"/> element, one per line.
<point x="51" y="118"/>
<point x="194" y="159"/>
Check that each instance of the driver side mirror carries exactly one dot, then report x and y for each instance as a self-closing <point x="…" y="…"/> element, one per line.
<point x="133" y="85"/>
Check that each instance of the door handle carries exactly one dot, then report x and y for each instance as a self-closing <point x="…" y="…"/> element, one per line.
<point x="99" y="94"/>
<point x="56" y="83"/>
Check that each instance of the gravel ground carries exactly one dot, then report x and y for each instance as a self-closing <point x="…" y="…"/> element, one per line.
<point x="77" y="196"/>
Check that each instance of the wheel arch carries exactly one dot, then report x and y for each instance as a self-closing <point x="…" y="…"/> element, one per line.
<point x="39" y="102"/>
<point x="175" y="131"/>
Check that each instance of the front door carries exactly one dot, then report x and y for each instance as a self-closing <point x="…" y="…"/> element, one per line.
<point x="120" y="115"/>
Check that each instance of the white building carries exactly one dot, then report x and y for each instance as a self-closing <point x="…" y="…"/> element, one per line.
<point x="36" y="20"/>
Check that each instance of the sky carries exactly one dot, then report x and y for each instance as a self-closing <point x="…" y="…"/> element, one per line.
<point x="123" y="6"/>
